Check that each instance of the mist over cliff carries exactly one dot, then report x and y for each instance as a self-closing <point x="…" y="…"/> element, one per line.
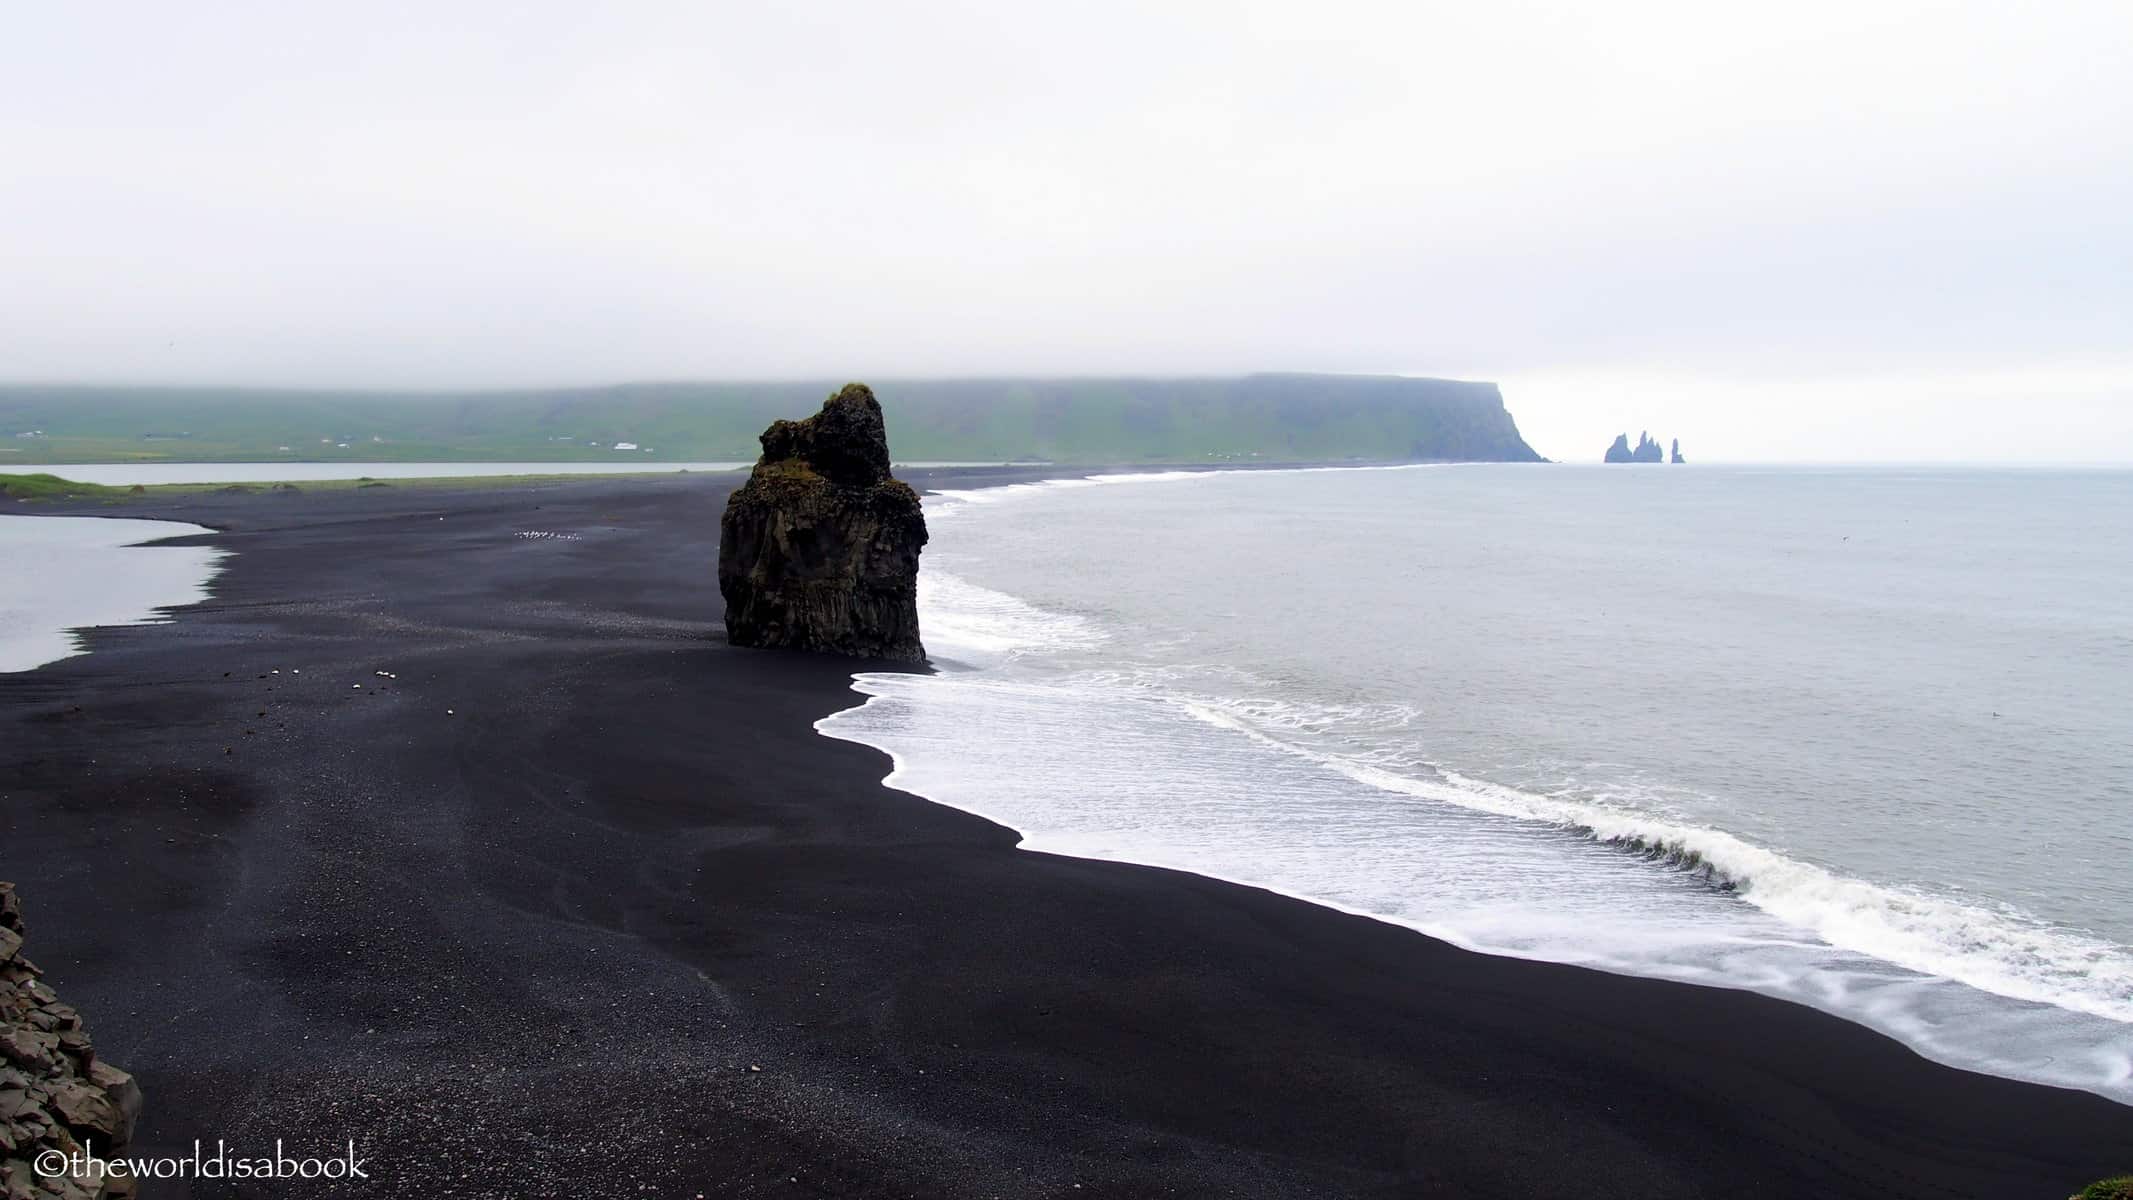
<point x="1273" y="418"/>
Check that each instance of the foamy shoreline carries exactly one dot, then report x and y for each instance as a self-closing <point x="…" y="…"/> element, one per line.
<point x="1909" y="966"/>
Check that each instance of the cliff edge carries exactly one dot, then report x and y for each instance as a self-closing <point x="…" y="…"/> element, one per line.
<point x="819" y="549"/>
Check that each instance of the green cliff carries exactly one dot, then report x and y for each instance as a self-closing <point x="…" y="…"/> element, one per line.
<point x="1267" y="418"/>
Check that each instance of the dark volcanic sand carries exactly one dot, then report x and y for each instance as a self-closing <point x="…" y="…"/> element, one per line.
<point x="538" y="948"/>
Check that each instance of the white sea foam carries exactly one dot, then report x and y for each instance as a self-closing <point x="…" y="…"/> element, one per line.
<point x="945" y="501"/>
<point x="2001" y="952"/>
<point x="961" y="617"/>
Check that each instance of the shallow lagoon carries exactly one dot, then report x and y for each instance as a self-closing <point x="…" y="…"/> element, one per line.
<point x="69" y="573"/>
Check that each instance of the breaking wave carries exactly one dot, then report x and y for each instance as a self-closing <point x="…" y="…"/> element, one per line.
<point x="2002" y="952"/>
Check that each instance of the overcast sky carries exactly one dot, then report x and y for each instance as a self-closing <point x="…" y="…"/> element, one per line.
<point x="1869" y="228"/>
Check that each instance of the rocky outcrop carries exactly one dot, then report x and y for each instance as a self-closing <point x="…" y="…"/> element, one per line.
<point x="54" y="1094"/>
<point x="1646" y="451"/>
<point x="819" y="550"/>
<point x="1677" y="452"/>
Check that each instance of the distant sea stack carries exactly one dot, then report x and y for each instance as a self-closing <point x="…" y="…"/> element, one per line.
<point x="1677" y="452"/>
<point x="819" y="550"/>
<point x="1645" y="451"/>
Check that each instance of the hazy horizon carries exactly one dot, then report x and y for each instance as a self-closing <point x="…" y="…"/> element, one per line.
<point x="1841" y="231"/>
<point x="1567" y="421"/>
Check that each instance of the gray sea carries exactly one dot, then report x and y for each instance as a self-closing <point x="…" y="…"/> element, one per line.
<point x="1857" y="737"/>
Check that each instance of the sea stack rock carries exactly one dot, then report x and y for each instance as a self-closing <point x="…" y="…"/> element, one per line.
<point x="819" y="550"/>
<point x="1677" y="452"/>
<point x="56" y="1098"/>
<point x="1646" y="451"/>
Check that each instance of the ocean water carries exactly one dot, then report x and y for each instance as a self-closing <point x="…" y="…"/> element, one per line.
<point x="1857" y="737"/>
<point x="68" y="573"/>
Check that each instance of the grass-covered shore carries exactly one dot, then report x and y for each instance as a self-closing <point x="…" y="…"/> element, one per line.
<point x="43" y="486"/>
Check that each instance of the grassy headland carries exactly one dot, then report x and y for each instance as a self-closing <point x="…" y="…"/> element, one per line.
<point x="48" y="487"/>
<point x="52" y="487"/>
<point x="1290" y="418"/>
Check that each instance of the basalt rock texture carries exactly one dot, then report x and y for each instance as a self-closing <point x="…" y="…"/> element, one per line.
<point x="54" y="1094"/>
<point x="819" y="550"/>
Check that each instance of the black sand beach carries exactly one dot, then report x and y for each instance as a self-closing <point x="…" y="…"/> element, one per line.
<point x="578" y="905"/>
